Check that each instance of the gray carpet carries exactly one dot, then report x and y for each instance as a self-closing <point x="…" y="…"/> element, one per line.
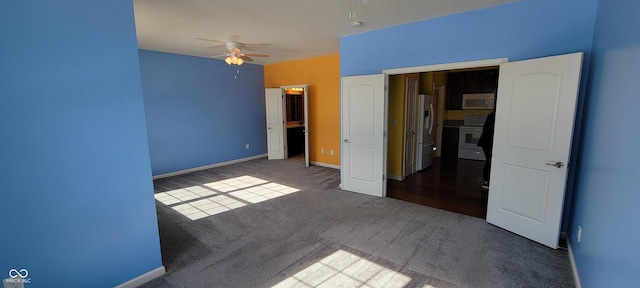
<point x="321" y="236"/>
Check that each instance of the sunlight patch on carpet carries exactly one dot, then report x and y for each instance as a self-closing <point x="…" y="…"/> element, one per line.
<point x="343" y="269"/>
<point x="199" y="201"/>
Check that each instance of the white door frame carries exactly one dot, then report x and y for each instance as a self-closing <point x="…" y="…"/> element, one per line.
<point x="443" y="67"/>
<point x="440" y="97"/>
<point x="446" y="66"/>
<point x="429" y="68"/>
<point x="305" y="88"/>
<point x="410" y="149"/>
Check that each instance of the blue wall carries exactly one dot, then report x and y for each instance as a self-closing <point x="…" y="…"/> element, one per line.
<point x="607" y="196"/>
<point x="201" y="111"/>
<point x="520" y="30"/>
<point x="77" y="196"/>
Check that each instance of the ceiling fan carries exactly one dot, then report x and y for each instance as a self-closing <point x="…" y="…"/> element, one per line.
<point x="235" y="54"/>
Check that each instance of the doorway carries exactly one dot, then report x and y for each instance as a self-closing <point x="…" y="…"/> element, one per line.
<point x="287" y="111"/>
<point x="454" y="181"/>
<point x="294" y="111"/>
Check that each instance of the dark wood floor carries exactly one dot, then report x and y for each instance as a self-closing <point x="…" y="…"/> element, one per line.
<point x="449" y="184"/>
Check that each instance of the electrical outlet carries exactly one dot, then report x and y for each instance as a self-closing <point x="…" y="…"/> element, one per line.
<point x="579" y="233"/>
<point x="331" y="152"/>
<point x="322" y="150"/>
<point x="246" y="146"/>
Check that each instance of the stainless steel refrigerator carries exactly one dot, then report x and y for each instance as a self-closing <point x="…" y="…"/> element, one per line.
<point x="426" y="131"/>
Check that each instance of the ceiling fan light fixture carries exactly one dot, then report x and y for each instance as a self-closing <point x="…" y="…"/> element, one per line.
<point x="233" y="60"/>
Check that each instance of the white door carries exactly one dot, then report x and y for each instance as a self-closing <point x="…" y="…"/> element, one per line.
<point x="439" y="91"/>
<point x="275" y="124"/>
<point x="363" y="148"/>
<point x="422" y="128"/>
<point x="533" y="129"/>
<point x="306" y="124"/>
<point x="410" y="139"/>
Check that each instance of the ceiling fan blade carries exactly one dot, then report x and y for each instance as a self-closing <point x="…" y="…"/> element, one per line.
<point x="246" y="58"/>
<point x="219" y="56"/>
<point x="209" y="50"/>
<point x="216" y="47"/>
<point x="256" y="55"/>
<point x="207" y="39"/>
<point x="250" y="46"/>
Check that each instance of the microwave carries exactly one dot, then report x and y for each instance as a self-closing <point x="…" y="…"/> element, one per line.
<point x="479" y="101"/>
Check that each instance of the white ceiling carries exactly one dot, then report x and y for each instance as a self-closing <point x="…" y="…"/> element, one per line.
<point x="289" y="29"/>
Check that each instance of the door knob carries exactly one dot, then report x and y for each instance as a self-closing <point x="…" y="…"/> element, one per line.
<point x="346" y="141"/>
<point x="556" y="164"/>
<point x="269" y="128"/>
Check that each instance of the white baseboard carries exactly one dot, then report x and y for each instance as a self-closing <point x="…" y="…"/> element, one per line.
<point x="574" y="268"/>
<point x="208" y="166"/>
<point x="325" y="165"/>
<point x="395" y="177"/>
<point x="144" y="278"/>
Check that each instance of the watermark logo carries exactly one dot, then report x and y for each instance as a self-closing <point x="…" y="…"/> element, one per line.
<point x="18" y="276"/>
<point x="14" y="273"/>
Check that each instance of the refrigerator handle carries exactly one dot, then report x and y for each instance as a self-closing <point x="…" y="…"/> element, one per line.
<point x="432" y="118"/>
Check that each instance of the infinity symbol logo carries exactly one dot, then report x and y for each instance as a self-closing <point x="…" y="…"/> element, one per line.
<point x="14" y="273"/>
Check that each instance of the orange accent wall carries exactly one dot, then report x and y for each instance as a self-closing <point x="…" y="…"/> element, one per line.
<point x="322" y="74"/>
